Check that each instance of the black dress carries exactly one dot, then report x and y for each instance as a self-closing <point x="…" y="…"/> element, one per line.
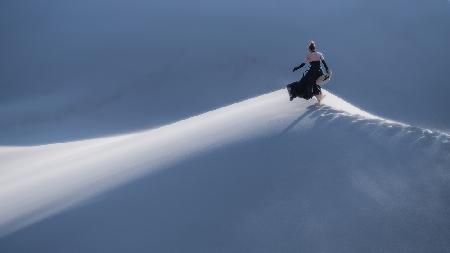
<point x="307" y="88"/>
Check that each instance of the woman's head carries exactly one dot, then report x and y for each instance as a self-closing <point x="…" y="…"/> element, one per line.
<point x="312" y="46"/>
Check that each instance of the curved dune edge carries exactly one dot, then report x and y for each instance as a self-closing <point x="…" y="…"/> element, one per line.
<point x="40" y="181"/>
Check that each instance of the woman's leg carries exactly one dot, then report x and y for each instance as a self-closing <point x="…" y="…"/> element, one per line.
<point x="317" y="91"/>
<point x="319" y="98"/>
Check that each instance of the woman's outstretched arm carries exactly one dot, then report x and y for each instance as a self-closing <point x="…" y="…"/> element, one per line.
<point x="298" y="67"/>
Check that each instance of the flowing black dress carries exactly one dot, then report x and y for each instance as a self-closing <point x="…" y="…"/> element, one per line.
<point x="307" y="88"/>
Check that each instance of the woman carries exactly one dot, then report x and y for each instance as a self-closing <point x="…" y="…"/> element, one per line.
<point x="307" y="88"/>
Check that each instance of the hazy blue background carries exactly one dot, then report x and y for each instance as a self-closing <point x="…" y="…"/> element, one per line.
<point x="78" y="69"/>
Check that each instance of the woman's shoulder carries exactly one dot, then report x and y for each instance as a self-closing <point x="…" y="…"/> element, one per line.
<point x="315" y="53"/>
<point x="314" y="56"/>
<point x="319" y="53"/>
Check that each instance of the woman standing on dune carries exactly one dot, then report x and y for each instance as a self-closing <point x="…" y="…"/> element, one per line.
<point x="307" y="87"/>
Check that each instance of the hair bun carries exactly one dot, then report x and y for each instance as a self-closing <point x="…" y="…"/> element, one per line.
<point x="312" y="45"/>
